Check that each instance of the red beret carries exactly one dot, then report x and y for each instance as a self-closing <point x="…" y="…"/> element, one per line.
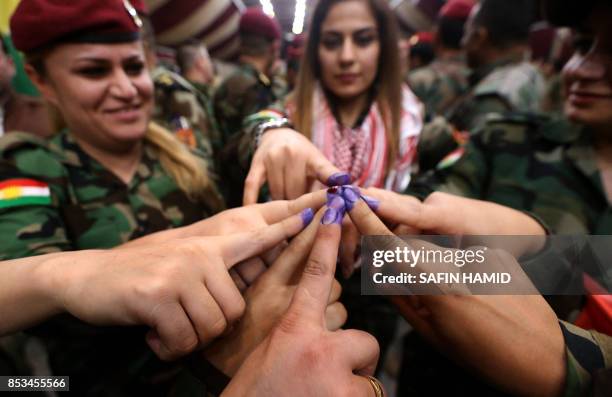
<point x="140" y="6"/>
<point x="456" y="9"/>
<point x="254" y="21"/>
<point x="39" y="23"/>
<point x="422" y="38"/>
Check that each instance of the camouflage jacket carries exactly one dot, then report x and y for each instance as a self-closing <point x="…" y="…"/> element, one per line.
<point x="88" y="207"/>
<point x="532" y="163"/>
<point x="440" y="84"/>
<point x="185" y="109"/>
<point x="244" y="92"/>
<point x="506" y="86"/>
<point x="546" y="167"/>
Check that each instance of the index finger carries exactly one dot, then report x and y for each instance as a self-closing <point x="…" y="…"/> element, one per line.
<point x="238" y="247"/>
<point x="274" y="211"/>
<point x="254" y="181"/>
<point x="312" y="293"/>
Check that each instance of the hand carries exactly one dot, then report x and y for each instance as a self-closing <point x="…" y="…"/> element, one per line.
<point x="289" y="162"/>
<point x="447" y="214"/>
<point x="300" y="357"/>
<point x="267" y="301"/>
<point x="181" y="289"/>
<point x="249" y="218"/>
<point x="514" y="341"/>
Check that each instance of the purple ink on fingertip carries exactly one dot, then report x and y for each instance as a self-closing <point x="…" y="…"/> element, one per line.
<point x="337" y="203"/>
<point x="371" y="202"/>
<point x="339" y="179"/>
<point x="331" y="216"/>
<point x="307" y="216"/>
<point x="350" y="194"/>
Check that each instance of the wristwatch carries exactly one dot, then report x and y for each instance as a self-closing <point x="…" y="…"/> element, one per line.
<point x="269" y="125"/>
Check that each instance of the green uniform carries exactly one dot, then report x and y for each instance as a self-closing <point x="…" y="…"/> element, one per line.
<point x="185" y="109"/>
<point x="243" y="93"/>
<point x="546" y="167"/>
<point x="440" y="84"/>
<point x="86" y="207"/>
<point x="505" y="86"/>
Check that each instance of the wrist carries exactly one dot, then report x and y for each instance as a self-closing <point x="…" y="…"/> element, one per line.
<point x="267" y="127"/>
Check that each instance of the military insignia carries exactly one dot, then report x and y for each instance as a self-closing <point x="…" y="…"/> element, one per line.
<point x="18" y="192"/>
<point x="132" y="11"/>
<point x="451" y="159"/>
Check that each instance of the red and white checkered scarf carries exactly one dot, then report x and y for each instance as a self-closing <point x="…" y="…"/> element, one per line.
<point x="362" y="152"/>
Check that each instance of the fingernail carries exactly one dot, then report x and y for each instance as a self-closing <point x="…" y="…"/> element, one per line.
<point x="331" y="216"/>
<point x="351" y="194"/>
<point x="371" y="202"/>
<point x="307" y="216"/>
<point x="333" y="192"/>
<point x="339" y="179"/>
<point x="337" y="203"/>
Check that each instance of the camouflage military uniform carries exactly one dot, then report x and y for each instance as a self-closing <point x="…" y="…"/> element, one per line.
<point x="440" y="84"/>
<point x="546" y="167"/>
<point x="505" y="86"/>
<point x="89" y="207"/>
<point x="243" y="93"/>
<point x="185" y="109"/>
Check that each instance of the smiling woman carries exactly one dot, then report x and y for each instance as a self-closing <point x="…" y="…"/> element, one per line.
<point x="349" y="108"/>
<point x="108" y="178"/>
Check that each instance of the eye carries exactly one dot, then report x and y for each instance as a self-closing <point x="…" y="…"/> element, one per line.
<point x="331" y="42"/>
<point x="365" y="39"/>
<point x="134" y="68"/>
<point x="93" y="72"/>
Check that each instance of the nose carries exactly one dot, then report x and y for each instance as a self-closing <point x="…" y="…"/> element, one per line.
<point x="347" y="53"/>
<point x="586" y="67"/>
<point x="122" y="85"/>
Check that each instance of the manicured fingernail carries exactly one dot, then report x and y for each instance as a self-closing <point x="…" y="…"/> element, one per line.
<point x="331" y="216"/>
<point x="333" y="192"/>
<point x="351" y="194"/>
<point x="307" y="216"/>
<point x="371" y="202"/>
<point x="339" y="179"/>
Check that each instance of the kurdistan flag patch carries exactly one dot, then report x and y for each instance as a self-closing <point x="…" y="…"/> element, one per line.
<point x="18" y="192"/>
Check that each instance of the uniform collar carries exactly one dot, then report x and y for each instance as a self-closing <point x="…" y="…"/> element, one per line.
<point x="480" y="73"/>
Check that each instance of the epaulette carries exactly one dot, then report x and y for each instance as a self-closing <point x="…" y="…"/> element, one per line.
<point x="18" y="140"/>
<point x="530" y="118"/>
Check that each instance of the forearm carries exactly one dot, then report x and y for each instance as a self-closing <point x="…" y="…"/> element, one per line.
<point x="29" y="290"/>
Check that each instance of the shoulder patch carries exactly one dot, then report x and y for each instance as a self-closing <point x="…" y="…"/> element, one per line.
<point x="20" y="192"/>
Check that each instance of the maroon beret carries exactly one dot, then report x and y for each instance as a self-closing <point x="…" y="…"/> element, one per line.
<point x="254" y="21"/>
<point x="456" y="9"/>
<point x="39" y="23"/>
<point x="140" y="6"/>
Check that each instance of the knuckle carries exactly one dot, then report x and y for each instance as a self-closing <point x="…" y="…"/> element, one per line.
<point x="218" y="326"/>
<point x="236" y="310"/>
<point x="316" y="267"/>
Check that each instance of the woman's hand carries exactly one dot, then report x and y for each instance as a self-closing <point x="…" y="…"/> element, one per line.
<point x="181" y="288"/>
<point x="267" y="301"/>
<point x="290" y="163"/>
<point x="301" y="357"/>
<point x="514" y="341"/>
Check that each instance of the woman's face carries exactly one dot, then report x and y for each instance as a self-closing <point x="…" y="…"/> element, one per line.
<point x="349" y="49"/>
<point x="588" y="74"/>
<point x="103" y="91"/>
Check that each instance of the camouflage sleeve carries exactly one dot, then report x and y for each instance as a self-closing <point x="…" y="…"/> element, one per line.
<point x="463" y="172"/>
<point x="588" y="357"/>
<point x="235" y="99"/>
<point x="30" y="193"/>
<point x="471" y="114"/>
